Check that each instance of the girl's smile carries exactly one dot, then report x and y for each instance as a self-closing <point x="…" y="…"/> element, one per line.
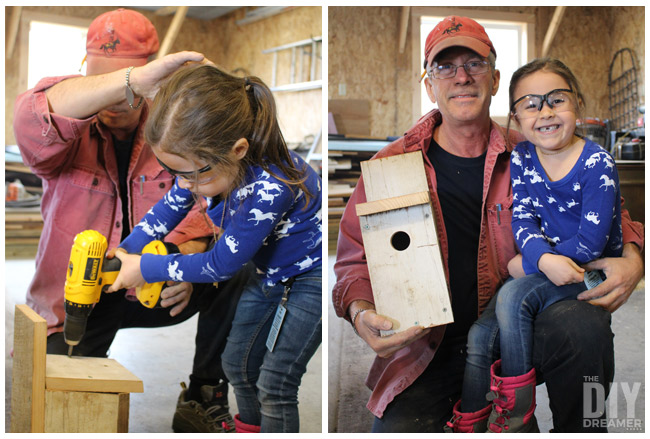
<point x="552" y="129"/>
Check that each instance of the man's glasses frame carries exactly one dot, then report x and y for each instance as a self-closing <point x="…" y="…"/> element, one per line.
<point x="448" y="71"/>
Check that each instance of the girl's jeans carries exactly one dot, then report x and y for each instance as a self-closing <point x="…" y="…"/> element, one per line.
<point x="266" y="383"/>
<point x="505" y="330"/>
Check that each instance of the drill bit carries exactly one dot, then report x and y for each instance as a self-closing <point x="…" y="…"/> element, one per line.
<point x="70" y="351"/>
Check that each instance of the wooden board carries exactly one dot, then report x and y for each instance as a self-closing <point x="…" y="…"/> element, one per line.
<point x="28" y="371"/>
<point x="84" y="412"/>
<point x="86" y="374"/>
<point x="402" y="250"/>
<point x="352" y="116"/>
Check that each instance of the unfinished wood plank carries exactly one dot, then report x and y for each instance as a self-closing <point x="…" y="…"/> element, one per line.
<point x="86" y="374"/>
<point x="393" y="203"/>
<point x="86" y="412"/>
<point x="404" y="259"/>
<point x="28" y="371"/>
<point x="387" y="177"/>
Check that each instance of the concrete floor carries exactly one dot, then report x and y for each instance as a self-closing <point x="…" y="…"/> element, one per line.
<point x="161" y="358"/>
<point x="350" y="358"/>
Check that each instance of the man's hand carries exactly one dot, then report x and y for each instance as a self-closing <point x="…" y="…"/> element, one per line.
<point x="198" y="245"/>
<point x="176" y="293"/>
<point x="560" y="270"/>
<point x="145" y="81"/>
<point x="623" y="275"/>
<point x="369" y="323"/>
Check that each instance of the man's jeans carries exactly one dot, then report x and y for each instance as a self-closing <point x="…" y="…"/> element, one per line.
<point x="572" y="340"/>
<point x="266" y="383"/>
<point x="505" y="330"/>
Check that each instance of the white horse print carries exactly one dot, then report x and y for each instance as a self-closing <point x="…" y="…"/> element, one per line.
<point x="259" y="216"/>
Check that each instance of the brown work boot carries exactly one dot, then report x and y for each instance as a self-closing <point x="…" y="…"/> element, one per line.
<point x="208" y="416"/>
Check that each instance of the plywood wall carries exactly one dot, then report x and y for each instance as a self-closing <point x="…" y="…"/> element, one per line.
<point x="363" y="54"/>
<point x="233" y="47"/>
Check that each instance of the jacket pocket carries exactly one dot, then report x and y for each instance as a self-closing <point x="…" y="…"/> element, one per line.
<point x="500" y="232"/>
<point x="83" y="199"/>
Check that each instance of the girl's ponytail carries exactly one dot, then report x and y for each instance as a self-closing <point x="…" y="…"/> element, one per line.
<point x="203" y="111"/>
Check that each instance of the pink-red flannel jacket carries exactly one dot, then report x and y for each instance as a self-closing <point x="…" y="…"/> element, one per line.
<point x="76" y="161"/>
<point x="390" y="376"/>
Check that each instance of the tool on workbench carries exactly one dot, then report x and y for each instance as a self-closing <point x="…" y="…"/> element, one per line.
<point x="90" y="273"/>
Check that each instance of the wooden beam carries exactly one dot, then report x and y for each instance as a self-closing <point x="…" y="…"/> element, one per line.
<point x="13" y="31"/>
<point x="403" y="27"/>
<point x="552" y="29"/>
<point x="28" y="372"/>
<point x="166" y="10"/>
<point x="173" y="30"/>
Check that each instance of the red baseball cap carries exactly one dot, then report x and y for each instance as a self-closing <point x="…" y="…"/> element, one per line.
<point x="457" y="31"/>
<point x="119" y="39"/>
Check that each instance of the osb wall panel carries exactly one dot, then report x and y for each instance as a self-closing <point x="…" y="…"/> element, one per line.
<point x="225" y="43"/>
<point x="300" y="112"/>
<point x="363" y="54"/>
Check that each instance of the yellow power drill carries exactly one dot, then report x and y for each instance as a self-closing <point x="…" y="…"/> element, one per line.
<point x="89" y="273"/>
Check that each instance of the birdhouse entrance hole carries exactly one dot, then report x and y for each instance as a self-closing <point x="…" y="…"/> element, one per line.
<point x="400" y="241"/>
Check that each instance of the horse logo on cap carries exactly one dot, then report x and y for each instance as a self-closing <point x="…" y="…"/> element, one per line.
<point x="452" y="29"/>
<point x="110" y="47"/>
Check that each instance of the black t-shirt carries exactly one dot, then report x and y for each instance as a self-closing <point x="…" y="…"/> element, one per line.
<point x="460" y="190"/>
<point x="123" y="155"/>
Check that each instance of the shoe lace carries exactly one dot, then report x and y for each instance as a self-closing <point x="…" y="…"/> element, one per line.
<point x="451" y="424"/>
<point x="223" y="420"/>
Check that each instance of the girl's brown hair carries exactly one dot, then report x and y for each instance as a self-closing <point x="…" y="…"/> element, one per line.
<point x="550" y="65"/>
<point x="202" y="112"/>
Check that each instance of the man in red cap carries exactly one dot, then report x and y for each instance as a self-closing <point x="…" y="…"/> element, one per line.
<point x="417" y="377"/>
<point x="83" y="135"/>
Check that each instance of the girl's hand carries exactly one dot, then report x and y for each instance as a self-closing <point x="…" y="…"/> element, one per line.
<point x="516" y="268"/>
<point x="560" y="270"/>
<point x="130" y="275"/>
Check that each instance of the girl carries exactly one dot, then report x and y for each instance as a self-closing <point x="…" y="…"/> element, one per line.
<point x="220" y="136"/>
<point x="566" y="211"/>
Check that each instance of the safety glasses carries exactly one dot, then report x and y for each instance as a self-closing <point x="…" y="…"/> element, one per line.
<point x="560" y="99"/>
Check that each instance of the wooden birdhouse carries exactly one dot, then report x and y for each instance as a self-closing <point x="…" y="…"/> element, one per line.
<point x="399" y="235"/>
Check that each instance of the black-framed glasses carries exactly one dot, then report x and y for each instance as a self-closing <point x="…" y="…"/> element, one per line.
<point x="529" y="106"/>
<point x="187" y="175"/>
<point x="447" y="71"/>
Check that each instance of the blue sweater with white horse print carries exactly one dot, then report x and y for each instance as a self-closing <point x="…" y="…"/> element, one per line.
<point x="578" y="216"/>
<point x="264" y="220"/>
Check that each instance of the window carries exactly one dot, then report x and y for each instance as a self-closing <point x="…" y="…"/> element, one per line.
<point x="55" y="50"/>
<point x="510" y="40"/>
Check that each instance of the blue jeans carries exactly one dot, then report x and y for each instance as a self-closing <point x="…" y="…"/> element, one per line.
<point x="266" y="383"/>
<point x="505" y="330"/>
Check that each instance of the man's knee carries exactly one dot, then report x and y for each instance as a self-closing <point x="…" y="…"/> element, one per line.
<point x="572" y="332"/>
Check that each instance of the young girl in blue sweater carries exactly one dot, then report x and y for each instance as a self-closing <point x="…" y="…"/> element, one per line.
<point x="566" y="211"/>
<point x="220" y="136"/>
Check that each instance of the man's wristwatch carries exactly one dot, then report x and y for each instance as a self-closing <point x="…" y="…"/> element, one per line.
<point x="130" y="96"/>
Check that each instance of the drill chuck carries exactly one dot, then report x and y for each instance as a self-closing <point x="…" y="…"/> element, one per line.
<point x="74" y="326"/>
